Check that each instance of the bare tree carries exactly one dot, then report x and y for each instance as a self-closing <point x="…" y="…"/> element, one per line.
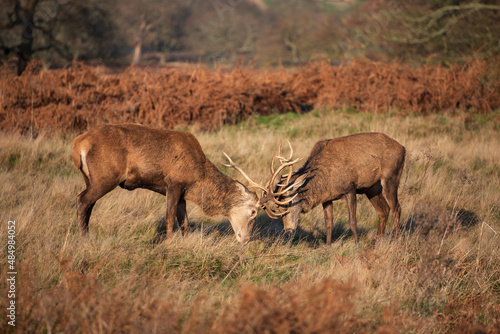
<point x="447" y="29"/>
<point x="62" y="29"/>
<point x="152" y="26"/>
<point x="136" y="59"/>
<point x="25" y="21"/>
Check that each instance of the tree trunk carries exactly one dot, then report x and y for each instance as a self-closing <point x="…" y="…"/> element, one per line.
<point x="25" y="49"/>
<point x="261" y="4"/>
<point x="138" y="42"/>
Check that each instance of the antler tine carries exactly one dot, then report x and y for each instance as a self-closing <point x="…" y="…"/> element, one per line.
<point x="279" y="148"/>
<point x="282" y="159"/>
<point x="284" y="202"/>
<point x="272" y="164"/>
<point x="283" y="165"/>
<point x="273" y="214"/>
<point x="291" y="152"/>
<point x="288" y="187"/>
<point x="291" y="149"/>
<point x="250" y="181"/>
<point x="289" y="175"/>
<point x="270" y="195"/>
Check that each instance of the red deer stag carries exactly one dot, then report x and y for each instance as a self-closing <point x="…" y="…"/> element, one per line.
<point x="365" y="163"/>
<point x="171" y="163"/>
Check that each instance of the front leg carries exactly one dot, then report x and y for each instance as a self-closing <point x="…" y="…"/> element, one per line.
<point x="328" y="213"/>
<point x="173" y="196"/>
<point x="351" y="204"/>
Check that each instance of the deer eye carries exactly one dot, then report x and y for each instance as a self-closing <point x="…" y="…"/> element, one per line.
<point x="253" y="212"/>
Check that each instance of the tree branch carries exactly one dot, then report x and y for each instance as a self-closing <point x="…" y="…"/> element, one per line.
<point x="443" y="10"/>
<point x="426" y="34"/>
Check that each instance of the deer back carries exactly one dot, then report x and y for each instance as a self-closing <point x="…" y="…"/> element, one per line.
<point x="139" y="154"/>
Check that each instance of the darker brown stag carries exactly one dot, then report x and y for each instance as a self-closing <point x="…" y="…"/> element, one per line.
<point x="171" y="163"/>
<point x="365" y="163"/>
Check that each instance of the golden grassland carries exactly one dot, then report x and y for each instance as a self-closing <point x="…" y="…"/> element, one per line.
<point x="442" y="275"/>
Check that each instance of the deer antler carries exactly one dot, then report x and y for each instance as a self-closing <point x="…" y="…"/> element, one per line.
<point x="276" y="173"/>
<point x="282" y="160"/>
<point x="268" y="193"/>
<point x="271" y="194"/>
<point x="251" y="184"/>
<point x="289" y="175"/>
<point x="279" y="152"/>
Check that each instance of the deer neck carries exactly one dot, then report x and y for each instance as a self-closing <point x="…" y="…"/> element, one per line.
<point x="305" y="194"/>
<point x="214" y="193"/>
<point x="319" y="188"/>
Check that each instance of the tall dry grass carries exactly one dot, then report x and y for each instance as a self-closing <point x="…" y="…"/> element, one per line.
<point x="442" y="275"/>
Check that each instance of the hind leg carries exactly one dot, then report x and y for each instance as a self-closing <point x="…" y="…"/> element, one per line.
<point x="85" y="202"/>
<point x="351" y="205"/>
<point x="390" y="191"/>
<point x="173" y="195"/>
<point x="378" y="201"/>
<point x="182" y="217"/>
<point x="99" y="179"/>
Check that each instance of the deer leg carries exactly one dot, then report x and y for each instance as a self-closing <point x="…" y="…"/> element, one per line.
<point x="382" y="208"/>
<point x="173" y="195"/>
<point x="83" y="212"/>
<point x="85" y="202"/>
<point x="351" y="205"/>
<point x="328" y="213"/>
<point x="378" y="201"/>
<point x="390" y="191"/>
<point x="182" y="217"/>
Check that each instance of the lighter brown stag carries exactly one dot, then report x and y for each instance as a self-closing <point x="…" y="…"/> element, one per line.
<point x="171" y="163"/>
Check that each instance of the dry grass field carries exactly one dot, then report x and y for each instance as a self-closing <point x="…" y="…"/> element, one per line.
<point x="441" y="275"/>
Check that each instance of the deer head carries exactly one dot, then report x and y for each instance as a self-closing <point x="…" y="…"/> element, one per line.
<point x="279" y="193"/>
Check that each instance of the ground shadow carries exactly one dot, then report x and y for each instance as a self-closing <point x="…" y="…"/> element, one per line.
<point x="467" y="218"/>
<point x="267" y="230"/>
<point x="270" y="230"/>
<point x="427" y="218"/>
<point x="201" y="226"/>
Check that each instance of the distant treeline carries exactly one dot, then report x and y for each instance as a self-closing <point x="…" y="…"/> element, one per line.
<point x="265" y="33"/>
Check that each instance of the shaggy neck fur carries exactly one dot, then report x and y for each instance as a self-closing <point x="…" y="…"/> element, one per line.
<point x="315" y="189"/>
<point x="215" y="193"/>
